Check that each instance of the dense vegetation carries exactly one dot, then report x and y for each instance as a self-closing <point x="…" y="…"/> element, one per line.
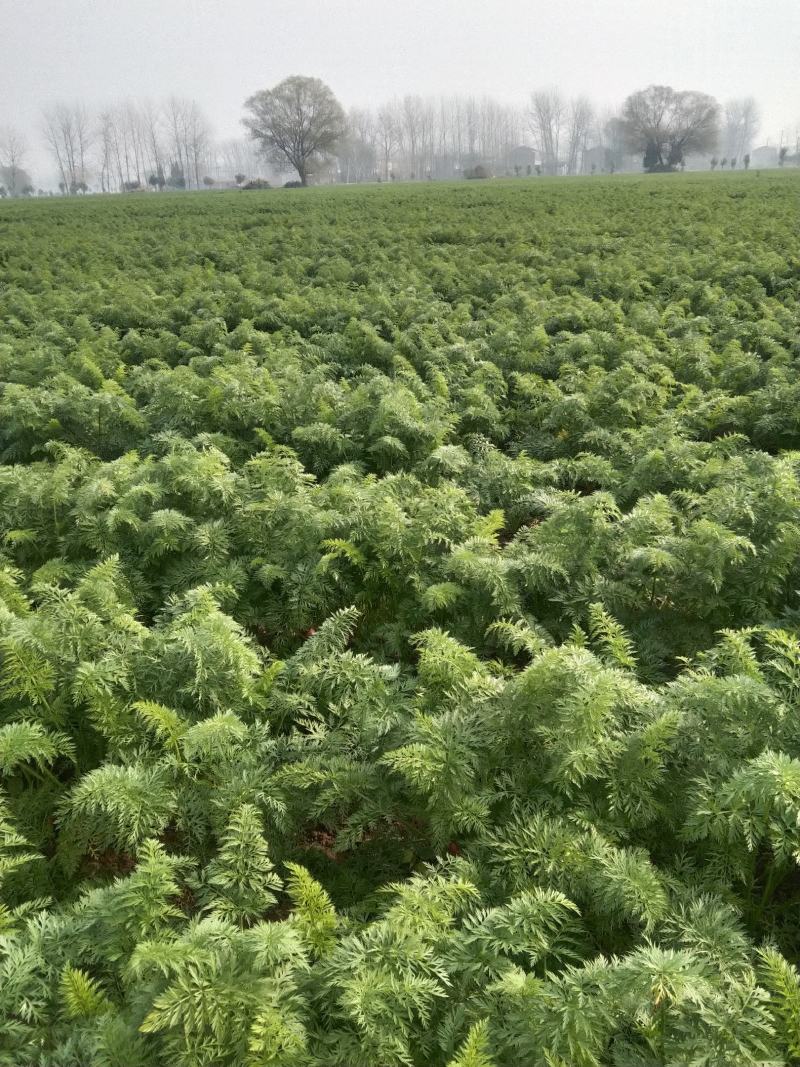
<point x="399" y="626"/>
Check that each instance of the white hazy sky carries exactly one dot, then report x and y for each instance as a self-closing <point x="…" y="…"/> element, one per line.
<point x="220" y="51"/>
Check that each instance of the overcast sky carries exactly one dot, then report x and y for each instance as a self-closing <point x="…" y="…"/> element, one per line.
<point x="220" y="51"/>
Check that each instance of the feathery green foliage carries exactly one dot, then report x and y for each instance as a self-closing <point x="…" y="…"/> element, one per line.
<point x="399" y="627"/>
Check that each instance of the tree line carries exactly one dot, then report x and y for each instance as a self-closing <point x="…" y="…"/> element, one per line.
<point x="300" y="124"/>
<point x="300" y="127"/>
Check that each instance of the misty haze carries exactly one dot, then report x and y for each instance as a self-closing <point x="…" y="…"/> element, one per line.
<point x="399" y="534"/>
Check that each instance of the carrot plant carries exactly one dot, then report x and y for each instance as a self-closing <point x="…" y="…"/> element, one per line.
<point x="399" y="626"/>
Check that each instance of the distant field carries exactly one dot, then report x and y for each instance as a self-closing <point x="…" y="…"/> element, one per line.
<point x="399" y="625"/>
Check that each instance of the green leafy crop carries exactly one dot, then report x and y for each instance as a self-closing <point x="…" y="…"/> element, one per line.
<point x="399" y="626"/>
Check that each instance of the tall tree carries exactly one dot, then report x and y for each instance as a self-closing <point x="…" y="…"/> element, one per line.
<point x="299" y="122"/>
<point x="665" y="125"/>
<point x="68" y="133"/>
<point x="106" y="146"/>
<point x="387" y="135"/>
<point x="412" y="130"/>
<point x="152" y="132"/>
<point x="357" y="153"/>
<point x="189" y="137"/>
<point x="579" y="121"/>
<point x="546" y="119"/>
<point x="741" y="126"/>
<point x="13" y="149"/>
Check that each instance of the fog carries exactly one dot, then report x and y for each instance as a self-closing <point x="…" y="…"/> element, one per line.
<point x="217" y="52"/>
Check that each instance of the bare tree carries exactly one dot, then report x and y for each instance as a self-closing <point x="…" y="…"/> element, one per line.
<point x="428" y="129"/>
<point x="106" y="144"/>
<point x="239" y="156"/>
<point x="153" y="135"/>
<point x="545" y="120"/>
<point x="438" y="138"/>
<point x="387" y="135"/>
<point x="665" y="125"/>
<point x="491" y="133"/>
<point x="60" y="140"/>
<point x="189" y="144"/>
<point x="116" y="148"/>
<point x="68" y="133"/>
<point x="13" y="150"/>
<point x="411" y="130"/>
<point x="129" y="146"/>
<point x="444" y="137"/>
<point x="299" y="122"/>
<point x="175" y="121"/>
<point x="740" y="126"/>
<point x="471" y="129"/>
<point x="198" y="141"/>
<point x="578" y="124"/>
<point x="357" y="152"/>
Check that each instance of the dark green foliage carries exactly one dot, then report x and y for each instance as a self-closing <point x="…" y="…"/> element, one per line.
<point x="399" y="653"/>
